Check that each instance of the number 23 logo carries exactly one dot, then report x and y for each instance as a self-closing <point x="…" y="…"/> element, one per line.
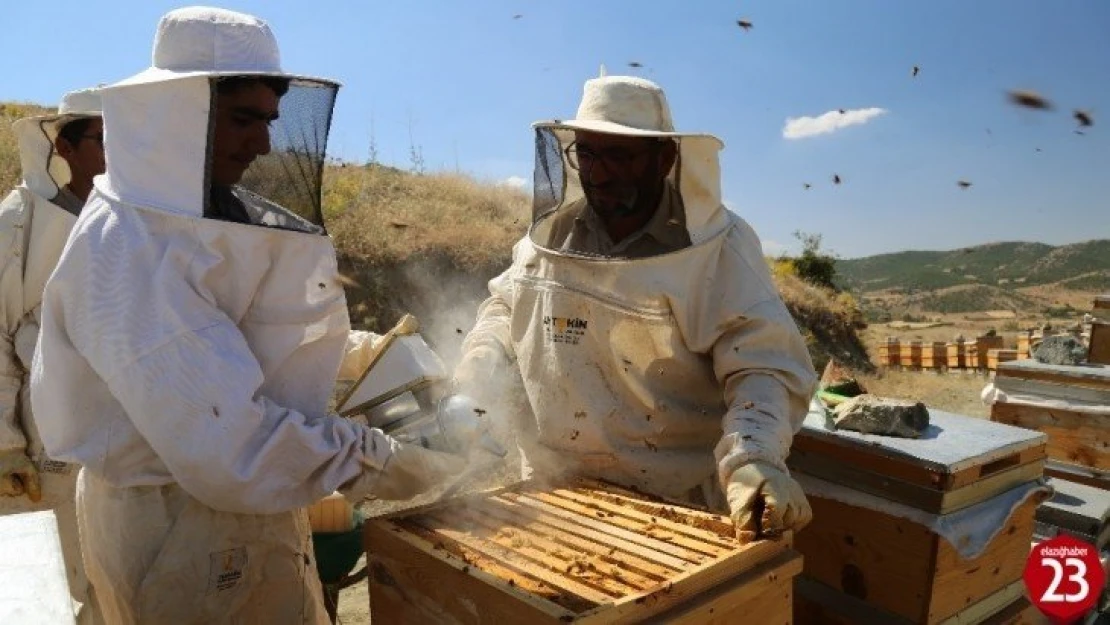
<point x="1051" y="594"/>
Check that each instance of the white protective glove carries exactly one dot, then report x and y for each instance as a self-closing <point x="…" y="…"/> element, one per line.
<point x="18" y="476"/>
<point x="765" y="502"/>
<point x="409" y="470"/>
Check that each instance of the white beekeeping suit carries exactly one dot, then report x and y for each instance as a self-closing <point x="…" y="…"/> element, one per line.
<point x="33" y="231"/>
<point x="192" y="334"/>
<point x="665" y="360"/>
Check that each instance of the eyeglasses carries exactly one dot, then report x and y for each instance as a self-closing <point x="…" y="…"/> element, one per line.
<point x="613" y="159"/>
<point x="98" y="138"/>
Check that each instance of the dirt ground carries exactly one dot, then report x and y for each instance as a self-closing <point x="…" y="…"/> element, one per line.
<point x="354" y="602"/>
<point x="951" y="392"/>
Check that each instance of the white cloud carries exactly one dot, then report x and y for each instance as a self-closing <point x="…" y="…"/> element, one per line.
<point x="802" y="127"/>
<point x="516" y="182"/>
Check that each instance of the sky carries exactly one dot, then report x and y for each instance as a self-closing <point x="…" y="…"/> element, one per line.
<point x="463" y="81"/>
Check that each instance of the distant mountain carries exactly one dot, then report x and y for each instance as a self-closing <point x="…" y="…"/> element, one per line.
<point x="1009" y="266"/>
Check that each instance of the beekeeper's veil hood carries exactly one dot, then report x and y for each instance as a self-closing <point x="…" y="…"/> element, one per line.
<point x="163" y="151"/>
<point x="689" y="208"/>
<point x="44" y="171"/>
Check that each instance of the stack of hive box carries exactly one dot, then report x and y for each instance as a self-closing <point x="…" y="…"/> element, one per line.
<point x="1079" y="511"/>
<point x="934" y="356"/>
<point x="1071" y="405"/>
<point x="929" y="530"/>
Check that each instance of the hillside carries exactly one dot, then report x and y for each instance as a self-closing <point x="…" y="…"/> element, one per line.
<point x="1010" y="266"/>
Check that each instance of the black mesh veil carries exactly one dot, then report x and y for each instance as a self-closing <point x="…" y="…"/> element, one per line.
<point x="564" y="218"/>
<point x="549" y="176"/>
<point x="283" y="188"/>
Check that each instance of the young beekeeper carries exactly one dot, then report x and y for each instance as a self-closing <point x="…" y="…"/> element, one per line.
<point x="192" y="335"/>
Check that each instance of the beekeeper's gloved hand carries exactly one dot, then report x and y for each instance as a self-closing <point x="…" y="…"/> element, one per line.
<point x="18" y="476"/>
<point x="765" y="501"/>
<point x="396" y="470"/>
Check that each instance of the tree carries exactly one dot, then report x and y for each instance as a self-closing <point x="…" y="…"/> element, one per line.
<point x="814" y="265"/>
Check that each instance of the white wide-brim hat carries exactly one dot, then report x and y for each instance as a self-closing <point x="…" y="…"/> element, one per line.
<point x="623" y="105"/>
<point x="75" y="105"/>
<point x="44" y="172"/>
<point x="204" y="41"/>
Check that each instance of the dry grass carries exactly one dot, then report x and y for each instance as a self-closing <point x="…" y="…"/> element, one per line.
<point x="383" y="216"/>
<point x="951" y="392"/>
<point x="9" y="150"/>
<point x="830" y="322"/>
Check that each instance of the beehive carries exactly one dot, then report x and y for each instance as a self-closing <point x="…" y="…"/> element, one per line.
<point x="983" y="345"/>
<point x="1078" y="437"/>
<point x="934" y="356"/>
<point x="996" y="357"/>
<point x="1098" y="351"/>
<point x="890" y="352"/>
<point x="959" y="462"/>
<point x="911" y="355"/>
<point x="1024" y="341"/>
<point x="957" y="354"/>
<point x="585" y="552"/>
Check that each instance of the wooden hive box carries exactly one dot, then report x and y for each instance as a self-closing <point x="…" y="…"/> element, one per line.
<point x="1078" y="440"/>
<point x="959" y="462"/>
<point x="816" y="604"/>
<point x="585" y="552"/>
<point x="1102" y="302"/>
<point x="1024" y="341"/>
<point x="1080" y="511"/>
<point x="957" y="355"/>
<point x="893" y="352"/>
<point x="997" y="356"/>
<point x="1076" y="510"/>
<point x="1098" y="351"/>
<point x="902" y="572"/>
<point x="934" y="355"/>
<point x="983" y="345"/>
<point x="910" y="355"/>
<point x="888" y="353"/>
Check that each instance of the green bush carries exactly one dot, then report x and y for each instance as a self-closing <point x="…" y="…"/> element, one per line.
<point x="815" y="266"/>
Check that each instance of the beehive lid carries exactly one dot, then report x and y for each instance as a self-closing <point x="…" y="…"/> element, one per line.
<point x="952" y="442"/>
<point x="1087" y="377"/>
<point x="1078" y="508"/>
<point x="959" y="461"/>
<point x="32" y="571"/>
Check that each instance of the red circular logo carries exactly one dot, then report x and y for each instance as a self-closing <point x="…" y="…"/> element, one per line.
<point x="1064" y="578"/>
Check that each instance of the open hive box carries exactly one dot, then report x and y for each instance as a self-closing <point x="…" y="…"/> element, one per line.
<point x="868" y="564"/>
<point x="586" y="552"/>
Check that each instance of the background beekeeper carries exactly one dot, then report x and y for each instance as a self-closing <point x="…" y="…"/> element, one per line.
<point x="642" y="318"/>
<point x="191" y="338"/>
<point x="60" y="154"/>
